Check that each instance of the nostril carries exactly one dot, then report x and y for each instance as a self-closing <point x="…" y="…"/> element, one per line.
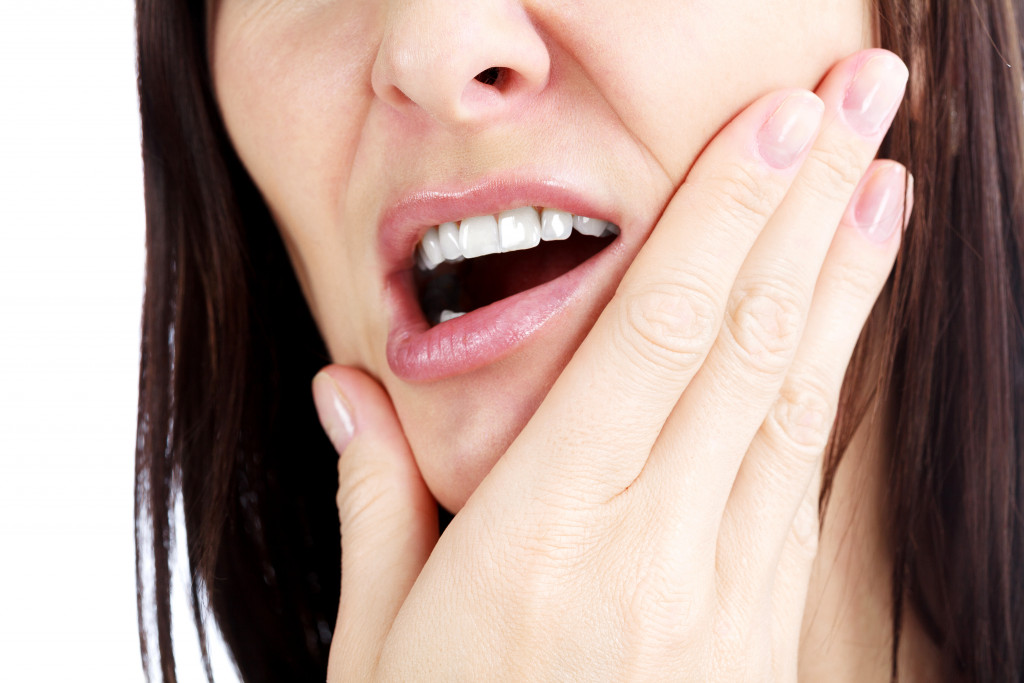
<point x="490" y="76"/>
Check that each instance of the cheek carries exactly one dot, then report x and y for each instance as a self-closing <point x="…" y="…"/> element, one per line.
<point x="680" y="70"/>
<point x="289" y="92"/>
<point x="293" y="84"/>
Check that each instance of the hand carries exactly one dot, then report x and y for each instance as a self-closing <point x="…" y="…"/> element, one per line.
<point x="657" y="517"/>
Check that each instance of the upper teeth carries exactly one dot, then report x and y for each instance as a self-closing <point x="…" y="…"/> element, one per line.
<point x="511" y="230"/>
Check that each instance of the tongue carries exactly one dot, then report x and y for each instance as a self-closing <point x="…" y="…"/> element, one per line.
<point x="490" y="278"/>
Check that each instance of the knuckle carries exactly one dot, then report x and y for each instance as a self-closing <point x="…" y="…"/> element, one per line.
<point x="669" y="326"/>
<point x="801" y="420"/>
<point x="857" y="279"/>
<point x="662" y="608"/>
<point x="835" y="170"/>
<point x="805" y="531"/>
<point x="765" y="321"/>
<point x="744" y="195"/>
<point x="361" y="488"/>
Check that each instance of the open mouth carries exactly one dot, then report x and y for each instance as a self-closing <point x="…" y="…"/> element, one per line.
<point x="466" y="265"/>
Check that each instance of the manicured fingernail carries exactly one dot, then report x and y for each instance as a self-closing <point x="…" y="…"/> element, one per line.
<point x="334" y="411"/>
<point x="875" y="93"/>
<point x="790" y="129"/>
<point x="880" y="207"/>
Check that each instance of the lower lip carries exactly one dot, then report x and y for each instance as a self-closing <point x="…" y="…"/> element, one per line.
<point x="417" y="352"/>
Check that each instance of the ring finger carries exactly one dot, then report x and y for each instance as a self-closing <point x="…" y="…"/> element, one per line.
<point x="707" y="436"/>
<point x="788" y="446"/>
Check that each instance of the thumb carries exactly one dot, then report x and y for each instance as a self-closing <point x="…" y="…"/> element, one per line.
<point x="388" y="516"/>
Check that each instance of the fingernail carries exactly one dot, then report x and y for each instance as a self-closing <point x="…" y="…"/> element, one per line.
<point x="334" y="411"/>
<point x="790" y="129"/>
<point x="879" y="210"/>
<point x="875" y="93"/>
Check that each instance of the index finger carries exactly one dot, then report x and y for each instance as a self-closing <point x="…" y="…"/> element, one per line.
<point x="624" y="380"/>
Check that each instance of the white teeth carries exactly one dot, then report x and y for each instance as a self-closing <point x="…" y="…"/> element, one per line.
<point x="431" y="246"/>
<point x="555" y="225"/>
<point x="519" y="229"/>
<point x="512" y="230"/>
<point x="589" y="226"/>
<point x="447" y="315"/>
<point x="449" y="238"/>
<point x="478" y="236"/>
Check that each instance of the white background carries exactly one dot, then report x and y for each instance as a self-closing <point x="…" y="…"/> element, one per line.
<point x="71" y="275"/>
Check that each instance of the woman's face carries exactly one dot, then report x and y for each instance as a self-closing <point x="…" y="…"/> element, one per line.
<point x="366" y="122"/>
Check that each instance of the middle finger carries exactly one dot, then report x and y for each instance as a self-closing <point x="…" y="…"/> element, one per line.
<point x="709" y="431"/>
<point x="608" y="406"/>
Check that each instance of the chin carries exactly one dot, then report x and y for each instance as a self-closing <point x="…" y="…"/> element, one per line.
<point x="458" y="427"/>
<point x="490" y="289"/>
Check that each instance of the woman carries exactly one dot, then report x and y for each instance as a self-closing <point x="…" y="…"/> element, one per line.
<point x="629" y="420"/>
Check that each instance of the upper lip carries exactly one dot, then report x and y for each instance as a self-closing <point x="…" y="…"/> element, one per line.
<point x="405" y="221"/>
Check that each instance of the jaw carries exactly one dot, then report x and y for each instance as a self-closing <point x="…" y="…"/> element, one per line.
<point x="460" y="426"/>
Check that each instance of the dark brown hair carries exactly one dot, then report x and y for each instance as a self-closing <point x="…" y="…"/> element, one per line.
<point x="229" y="348"/>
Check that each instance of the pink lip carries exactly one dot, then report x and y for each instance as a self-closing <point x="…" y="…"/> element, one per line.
<point x="417" y="352"/>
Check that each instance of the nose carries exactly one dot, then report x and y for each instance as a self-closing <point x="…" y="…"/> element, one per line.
<point x="460" y="61"/>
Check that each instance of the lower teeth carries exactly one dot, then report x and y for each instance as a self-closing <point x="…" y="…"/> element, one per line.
<point x="442" y="294"/>
<point x="447" y="315"/>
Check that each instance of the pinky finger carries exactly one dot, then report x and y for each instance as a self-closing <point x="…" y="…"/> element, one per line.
<point x="787" y="450"/>
<point x="792" y="580"/>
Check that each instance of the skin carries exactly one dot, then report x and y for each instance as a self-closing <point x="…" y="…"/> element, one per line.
<point x="307" y="90"/>
<point x="338" y="108"/>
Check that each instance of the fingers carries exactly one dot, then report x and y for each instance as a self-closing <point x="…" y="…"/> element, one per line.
<point x="792" y="580"/>
<point x="769" y="303"/>
<point x="655" y="333"/>
<point x="388" y="517"/>
<point x="788" y="446"/>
